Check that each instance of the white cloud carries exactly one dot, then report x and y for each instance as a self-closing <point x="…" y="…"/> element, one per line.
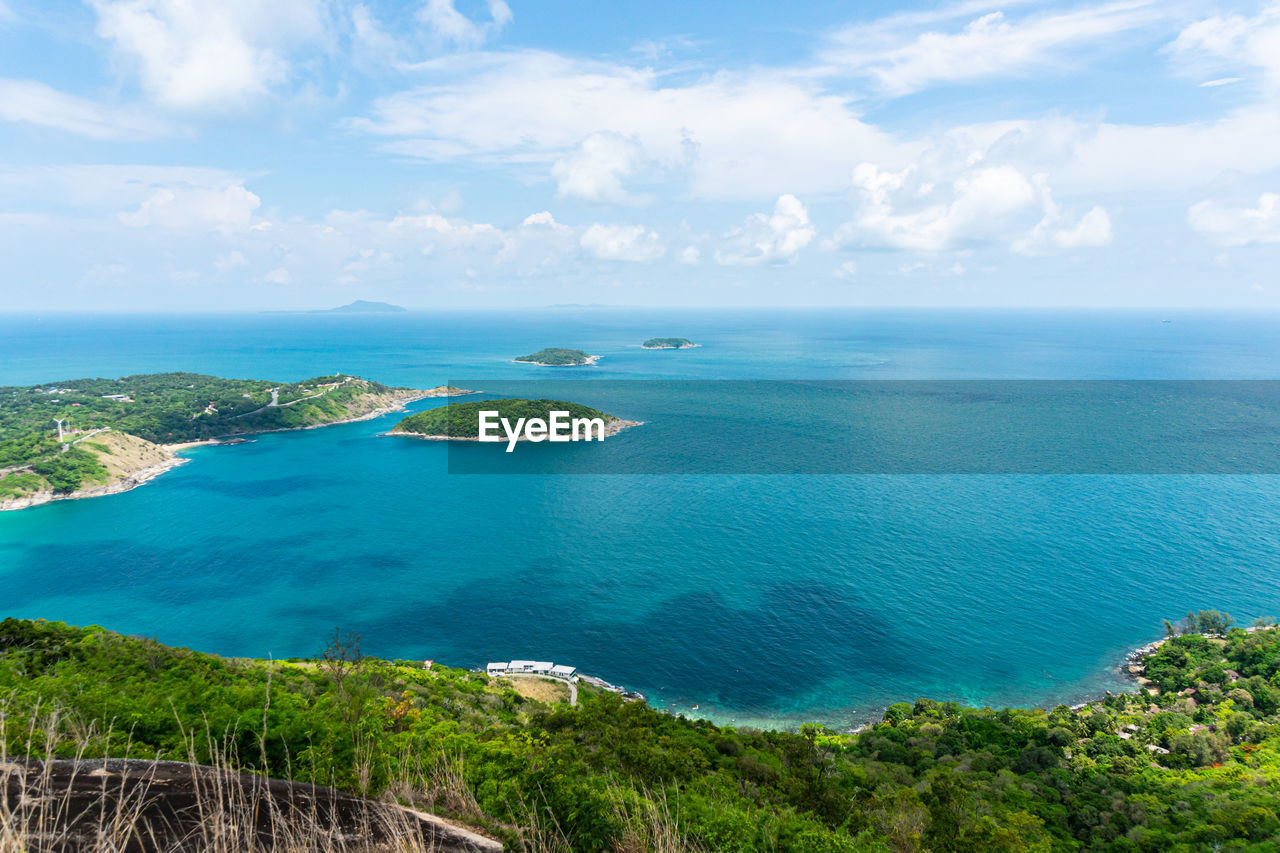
<point x="230" y="260"/>
<point x="539" y="242"/>
<point x="769" y="239"/>
<point x="32" y="102"/>
<point x="902" y="210"/>
<point x="209" y="55"/>
<point x="594" y="170"/>
<point x="902" y="59"/>
<point x="1232" y="42"/>
<point x="279" y="275"/>
<point x="1238" y="226"/>
<point x="543" y="218"/>
<point x="730" y="135"/>
<point x="622" y="242"/>
<point x="848" y="269"/>
<point x="1056" y="230"/>
<point x="449" y="25"/>
<point x="1093" y="230"/>
<point x="1117" y="157"/>
<point x="228" y="210"/>
<point x="438" y="230"/>
<point x="690" y="255"/>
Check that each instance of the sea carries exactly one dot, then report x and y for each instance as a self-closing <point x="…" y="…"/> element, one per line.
<point x="740" y="594"/>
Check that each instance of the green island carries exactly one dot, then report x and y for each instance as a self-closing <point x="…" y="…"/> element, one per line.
<point x="461" y="421"/>
<point x="1189" y="762"/>
<point x="669" y="343"/>
<point x="104" y="435"/>
<point x="558" y="357"/>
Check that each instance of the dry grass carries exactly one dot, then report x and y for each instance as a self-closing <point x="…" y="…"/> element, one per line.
<point x="74" y="805"/>
<point x="78" y="805"/>
<point x="541" y="689"/>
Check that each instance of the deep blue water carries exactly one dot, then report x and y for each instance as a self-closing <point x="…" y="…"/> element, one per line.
<point x="764" y="598"/>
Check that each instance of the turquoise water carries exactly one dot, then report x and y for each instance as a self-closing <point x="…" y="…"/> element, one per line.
<point x="764" y="599"/>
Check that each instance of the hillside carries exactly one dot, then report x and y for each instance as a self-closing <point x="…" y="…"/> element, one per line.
<point x="558" y="357"/>
<point x="66" y="436"/>
<point x="462" y="420"/>
<point x="1194" y="767"/>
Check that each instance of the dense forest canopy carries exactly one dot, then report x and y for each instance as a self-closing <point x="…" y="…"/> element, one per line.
<point x="667" y="343"/>
<point x="164" y="408"/>
<point x="1194" y="766"/>
<point x="462" y="420"/>
<point x="557" y="356"/>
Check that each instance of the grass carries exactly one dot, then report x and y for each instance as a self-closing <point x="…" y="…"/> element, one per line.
<point x="70" y="803"/>
<point x="541" y="689"/>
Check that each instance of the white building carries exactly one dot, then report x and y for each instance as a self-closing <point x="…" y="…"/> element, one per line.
<point x="496" y="668"/>
<point x="541" y="667"/>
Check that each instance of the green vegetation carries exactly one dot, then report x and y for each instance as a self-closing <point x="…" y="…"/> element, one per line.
<point x="557" y="356"/>
<point x="668" y="343"/>
<point x="163" y="408"/>
<point x="462" y="420"/>
<point x="1173" y="771"/>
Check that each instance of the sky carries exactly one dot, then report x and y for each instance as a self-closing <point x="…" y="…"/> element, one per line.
<point x="193" y="155"/>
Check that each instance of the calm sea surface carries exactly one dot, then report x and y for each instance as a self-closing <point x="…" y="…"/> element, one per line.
<point x="762" y="598"/>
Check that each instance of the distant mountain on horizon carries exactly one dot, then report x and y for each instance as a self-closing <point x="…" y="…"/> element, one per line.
<point x="363" y="306"/>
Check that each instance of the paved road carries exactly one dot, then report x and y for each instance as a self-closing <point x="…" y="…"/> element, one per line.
<point x="276" y="404"/>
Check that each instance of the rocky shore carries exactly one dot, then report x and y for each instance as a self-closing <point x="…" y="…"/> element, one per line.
<point x="612" y="427"/>
<point x="131" y="461"/>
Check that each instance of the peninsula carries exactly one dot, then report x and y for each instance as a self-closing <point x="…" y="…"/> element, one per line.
<point x="558" y="357"/>
<point x="89" y="437"/>
<point x="461" y="421"/>
<point x="669" y="343"/>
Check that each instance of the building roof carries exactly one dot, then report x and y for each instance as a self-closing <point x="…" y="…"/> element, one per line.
<point x="563" y="669"/>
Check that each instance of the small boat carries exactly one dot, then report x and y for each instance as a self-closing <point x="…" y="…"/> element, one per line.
<point x="695" y="707"/>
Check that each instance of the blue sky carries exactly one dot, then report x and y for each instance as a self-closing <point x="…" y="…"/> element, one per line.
<point x="186" y="155"/>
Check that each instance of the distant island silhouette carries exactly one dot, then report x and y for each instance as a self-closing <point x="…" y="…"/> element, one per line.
<point x="363" y="306"/>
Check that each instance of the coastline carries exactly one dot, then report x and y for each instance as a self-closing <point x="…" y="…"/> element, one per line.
<point x="590" y="362"/>
<point x="130" y="480"/>
<point x="612" y="427"/>
<point x="123" y="484"/>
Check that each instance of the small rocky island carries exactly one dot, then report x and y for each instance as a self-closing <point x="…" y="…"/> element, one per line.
<point x="669" y="343"/>
<point x="558" y="357"/>
<point x="461" y="421"/>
